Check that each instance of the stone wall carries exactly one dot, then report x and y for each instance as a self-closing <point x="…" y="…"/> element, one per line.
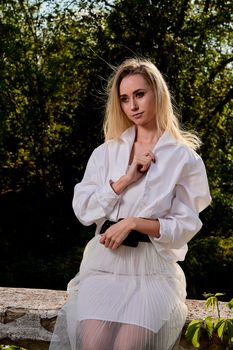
<point x="27" y="316"/>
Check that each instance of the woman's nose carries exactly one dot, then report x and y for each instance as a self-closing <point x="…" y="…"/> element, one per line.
<point x="133" y="104"/>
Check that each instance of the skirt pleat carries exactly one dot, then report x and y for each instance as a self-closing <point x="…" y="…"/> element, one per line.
<point x="123" y="299"/>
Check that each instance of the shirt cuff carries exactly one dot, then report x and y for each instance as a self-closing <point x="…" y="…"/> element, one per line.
<point x="107" y="197"/>
<point x="165" y="234"/>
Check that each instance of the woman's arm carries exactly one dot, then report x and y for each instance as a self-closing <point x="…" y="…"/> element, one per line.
<point x="146" y="226"/>
<point x="191" y="197"/>
<point x="116" y="234"/>
<point x="94" y="197"/>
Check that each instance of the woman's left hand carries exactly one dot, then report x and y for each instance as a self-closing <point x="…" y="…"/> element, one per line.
<point x="116" y="234"/>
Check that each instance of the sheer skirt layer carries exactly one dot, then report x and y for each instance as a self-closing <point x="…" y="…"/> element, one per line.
<point x="129" y="298"/>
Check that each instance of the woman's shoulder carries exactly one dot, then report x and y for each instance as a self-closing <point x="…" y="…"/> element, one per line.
<point x="104" y="147"/>
<point x="181" y="151"/>
<point x="188" y="151"/>
<point x="193" y="162"/>
<point x="168" y="141"/>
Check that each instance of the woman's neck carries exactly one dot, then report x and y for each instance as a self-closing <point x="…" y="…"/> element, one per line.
<point x="146" y="137"/>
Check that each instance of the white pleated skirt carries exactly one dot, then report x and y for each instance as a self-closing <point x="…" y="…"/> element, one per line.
<point x="123" y="299"/>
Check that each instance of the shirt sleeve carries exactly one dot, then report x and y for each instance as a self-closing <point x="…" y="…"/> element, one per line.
<point x="191" y="197"/>
<point x="94" y="197"/>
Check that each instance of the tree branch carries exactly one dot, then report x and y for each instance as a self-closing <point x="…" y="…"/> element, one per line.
<point x="207" y="5"/>
<point x="107" y="4"/>
<point x="181" y="18"/>
<point x="219" y="67"/>
<point x="221" y="105"/>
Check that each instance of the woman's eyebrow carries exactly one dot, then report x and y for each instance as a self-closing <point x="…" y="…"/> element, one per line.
<point x="139" y="90"/>
<point x="134" y="92"/>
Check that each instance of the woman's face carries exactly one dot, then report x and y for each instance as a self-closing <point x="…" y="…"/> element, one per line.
<point x="137" y="100"/>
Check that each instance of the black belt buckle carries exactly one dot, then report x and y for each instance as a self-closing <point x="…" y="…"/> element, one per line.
<point x="131" y="240"/>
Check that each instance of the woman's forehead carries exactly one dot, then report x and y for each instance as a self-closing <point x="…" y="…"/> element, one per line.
<point x="133" y="82"/>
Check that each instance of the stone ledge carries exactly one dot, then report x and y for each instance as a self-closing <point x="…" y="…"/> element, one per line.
<point x="27" y="316"/>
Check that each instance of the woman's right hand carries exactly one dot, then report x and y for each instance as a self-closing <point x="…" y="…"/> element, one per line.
<point x="136" y="170"/>
<point x="139" y="166"/>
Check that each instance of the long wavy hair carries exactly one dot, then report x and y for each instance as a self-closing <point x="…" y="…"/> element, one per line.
<point x="115" y="120"/>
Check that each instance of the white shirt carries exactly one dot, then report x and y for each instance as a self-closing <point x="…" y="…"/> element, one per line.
<point x="174" y="190"/>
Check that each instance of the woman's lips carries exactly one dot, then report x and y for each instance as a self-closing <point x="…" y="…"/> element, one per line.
<point x="137" y="115"/>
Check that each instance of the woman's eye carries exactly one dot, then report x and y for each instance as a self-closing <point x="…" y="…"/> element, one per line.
<point x="140" y="94"/>
<point x="124" y="99"/>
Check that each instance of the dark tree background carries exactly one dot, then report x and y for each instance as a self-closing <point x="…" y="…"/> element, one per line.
<point x="55" y="58"/>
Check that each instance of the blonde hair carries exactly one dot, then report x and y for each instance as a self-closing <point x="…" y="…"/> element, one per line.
<point x="115" y="120"/>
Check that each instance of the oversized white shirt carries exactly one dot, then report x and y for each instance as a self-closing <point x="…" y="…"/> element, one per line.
<point x="174" y="190"/>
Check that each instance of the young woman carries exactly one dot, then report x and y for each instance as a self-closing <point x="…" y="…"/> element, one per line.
<point x="143" y="188"/>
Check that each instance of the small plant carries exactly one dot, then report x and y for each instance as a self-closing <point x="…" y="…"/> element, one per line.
<point x="11" y="347"/>
<point x="215" y="333"/>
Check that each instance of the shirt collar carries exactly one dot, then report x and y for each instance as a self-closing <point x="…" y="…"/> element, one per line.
<point x="165" y="139"/>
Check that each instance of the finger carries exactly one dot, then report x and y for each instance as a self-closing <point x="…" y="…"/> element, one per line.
<point x="143" y="168"/>
<point x="145" y="164"/>
<point x="115" y="246"/>
<point x="111" y="243"/>
<point x="115" y="243"/>
<point x="102" y="239"/>
<point x="151" y="155"/>
<point x="107" y="242"/>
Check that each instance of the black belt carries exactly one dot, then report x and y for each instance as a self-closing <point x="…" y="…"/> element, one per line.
<point x="133" y="238"/>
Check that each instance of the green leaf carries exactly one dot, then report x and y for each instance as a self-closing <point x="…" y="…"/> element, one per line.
<point x="211" y="301"/>
<point x="230" y="304"/>
<point x="221" y="328"/>
<point x="193" y="332"/>
<point x="207" y="295"/>
<point x="218" y="322"/>
<point x="209" y="325"/>
<point x="229" y="326"/>
<point x="219" y="294"/>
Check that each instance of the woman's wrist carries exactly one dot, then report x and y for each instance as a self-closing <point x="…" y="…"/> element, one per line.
<point x="150" y="227"/>
<point x="120" y="185"/>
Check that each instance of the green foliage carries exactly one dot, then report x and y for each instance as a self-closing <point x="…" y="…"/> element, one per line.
<point x="193" y="332"/>
<point x="212" y="301"/>
<point x="44" y="83"/>
<point x="220" y="328"/>
<point x="230" y="304"/>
